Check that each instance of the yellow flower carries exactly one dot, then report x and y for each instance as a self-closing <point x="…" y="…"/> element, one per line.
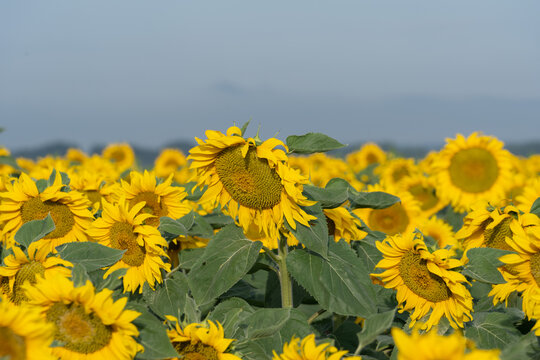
<point x="423" y="189"/>
<point x="392" y="172"/>
<point x="343" y="225"/>
<point x="92" y="184"/>
<point x="122" y="155"/>
<point x="20" y="268"/>
<point x="472" y="169"/>
<point x="88" y="325"/>
<point x="529" y="194"/>
<point x="423" y="280"/>
<point x="168" y="162"/>
<point x="23" y="333"/>
<point x="122" y="227"/>
<point x="440" y="231"/>
<point x="431" y="346"/>
<point x="23" y="202"/>
<point x="160" y="199"/>
<point x="399" y="218"/>
<point x="200" y="341"/>
<point x="369" y="153"/>
<point x="307" y="349"/>
<point x="253" y="181"/>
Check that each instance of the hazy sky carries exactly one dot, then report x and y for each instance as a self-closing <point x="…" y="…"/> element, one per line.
<point x="150" y="72"/>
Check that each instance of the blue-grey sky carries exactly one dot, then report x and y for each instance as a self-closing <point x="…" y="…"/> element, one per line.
<point x="150" y="72"/>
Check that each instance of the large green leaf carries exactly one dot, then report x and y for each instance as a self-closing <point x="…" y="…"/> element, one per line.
<point x="268" y="329"/>
<point x="493" y="330"/>
<point x="373" y="200"/>
<point x="483" y="264"/>
<point x="226" y="259"/>
<point x="374" y="325"/>
<point x="339" y="283"/>
<point x="91" y="255"/>
<point x="34" y="230"/>
<point x="311" y="143"/>
<point x="170" y="297"/>
<point x="152" y="335"/>
<point x="229" y="313"/>
<point x="367" y="251"/>
<point x="315" y="236"/>
<point x="527" y="347"/>
<point x="335" y="193"/>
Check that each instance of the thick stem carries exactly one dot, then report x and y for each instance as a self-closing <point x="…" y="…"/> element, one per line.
<point x="284" y="278"/>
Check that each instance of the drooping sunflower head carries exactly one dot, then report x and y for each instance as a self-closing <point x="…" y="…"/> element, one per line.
<point x="23" y="333"/>
<point x="423" y="280"/>
<point x="122" y="155"/>
<point x="21" y="268"/>
<point x="123" y="227"/>
<point x="432" y="346"/>
<point x="200" y="341"/>
<point x="252" y="179"/>
<point x="308" y="349"/>
<point x="398" y="218"/>
<point x="88" y="324"/>
<point x="473" y="168"/>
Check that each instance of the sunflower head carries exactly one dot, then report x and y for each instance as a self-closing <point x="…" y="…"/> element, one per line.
<point x="308" y="349"/>
<point x="122" y="155"/>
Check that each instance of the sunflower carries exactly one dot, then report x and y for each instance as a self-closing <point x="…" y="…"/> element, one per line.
<point x="398" y="218"/>
<point x="93" y="185"/>
<point x="392" y="172"/>
<point x="160" y="199"/>
<point x="521" y="271"/>
<point x="423" y="280"/>
<point x="168" y="162"/>
<point x="122" y="227"/>
<point x="23" y="333"/>
<point x="370" y="153"/>
<point x="20" y="268"/>
<point x="45" y="165"/>
<point x="121" y="154"/>
<point x="432" y="346"/>
<point x="307" y="349"/>
<point x="23" y="202"/>
<point x="423" y="189"/>
<point x="87" y="324"/>
<point x="528" y="195"/>
<point x="321" y="168"/>
<point x="200" y="341"/>
<point x="473" y="168"/>
<point x="440" y="231"/>
<point x="343" y="225"/>
<point x="6" y="169"/>
<point x="253" y="181"/>
<point x="75" y="155"/>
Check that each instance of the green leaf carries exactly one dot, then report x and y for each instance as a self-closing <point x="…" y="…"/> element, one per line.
<point x="171" y="226"/>
<point x="340" y="283"/>
<point x="335" y="193"/>
<point x="218" y="220"/>
<point x="170" y="297"/>
<point x="201" y="227"/>
<point x="493" y="330"/>
<point x="526" y="348"/>
<point x="535" y="208"/>
<point x="244" y="127"/>
<point x="311" y="143"/>
<point x="194" y="192"/>
<point x="229" y="313"/>
<point x="41" y="185"/>
<point x="268" y="329"/>
<point x="10" y="161"/>
<point x="374" y="325"/>
<point x="79" y="276"/>
<point x="373" y="200"/>
<point x="314" y="237"/>
<point x="91" y="255"/>
<point x="113" y="281"/>
<point x="367" y="251"/>
<point x="226" y="259"/>
<point x="189" y="257"/>
<point x="483" y="264"/>
<point x="34" y="230"/>
<point x="152" y="335"/>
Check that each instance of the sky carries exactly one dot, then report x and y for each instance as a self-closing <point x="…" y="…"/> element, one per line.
<point x="152" y="72"/>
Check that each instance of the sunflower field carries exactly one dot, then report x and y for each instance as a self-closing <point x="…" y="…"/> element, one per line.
<point x="262" y="249"/>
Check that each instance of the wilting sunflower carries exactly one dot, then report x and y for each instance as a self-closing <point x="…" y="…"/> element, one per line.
<point x="23" y="333"/>
<point x="161" y="199"/>
<point x="122" y="155"/>
<point x="23" y="202"/>
<point x="471" y="169"/>
<point x="432" y="346"/>
<point x="343" y="225"/>
<point x="308" y="349"/>
<point x="423" y="280"/>
<point x="122" y="227"/>
<point x="399" y="218"/>
<point x="87" y="324"/>
<point x="521" y="272"/>
<point x="168" y="162"/>
<point x="20" y="268"/>
<point x="200" y="341"/>
<point x="369" y="153"/>
<point x="253" y="181"/>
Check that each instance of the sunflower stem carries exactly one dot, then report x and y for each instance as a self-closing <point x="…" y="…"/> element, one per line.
<point x="271" y="255"/>
<point x="284" y="278"/>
